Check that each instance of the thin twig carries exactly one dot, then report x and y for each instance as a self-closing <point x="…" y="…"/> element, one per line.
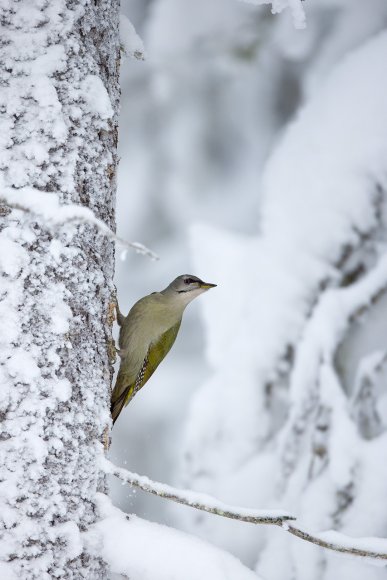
<point x="319" y="541"/>
<point x="212" y="505"/>
<point x="199" y="501"/>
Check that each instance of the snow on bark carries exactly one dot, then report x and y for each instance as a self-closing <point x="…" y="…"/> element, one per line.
<point x="58" y="133"/>
<point x="50" y="208"/>
<point x="322" y="232"/>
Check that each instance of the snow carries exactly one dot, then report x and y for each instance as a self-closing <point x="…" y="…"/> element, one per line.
<point x="131" y="43"/>
<point x="318" y="199"/>
<point x="291" y="409"/>
<point x="375" y="549"/>
<point x="96" y="96"/>
<point x="296" y="7"/>
<point x="7" y="572"/>
<point x="69" y="533"/>
<point x="50" y="300"/>
<point x="326" y="327"/>
<point x="12" y="257"/>
<point x="48" y="206"/>
<point x="62" y="390"/>
<point x="372" y="363"/>
<point x="191" y="498"/>
<point x="226" y="84"/>
<point x="367" y="544"/>
<point x="21" y="364"/>
<point x="144" y="551"/>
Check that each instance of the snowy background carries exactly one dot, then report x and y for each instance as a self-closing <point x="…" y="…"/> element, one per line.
<point x="253" y="154"/>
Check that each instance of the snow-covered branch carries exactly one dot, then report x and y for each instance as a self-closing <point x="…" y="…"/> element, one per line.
<point x="277" y="6"/>
<point x="130" y="42"/>
<point x="374" y="548"/>
<point x="197" y="500"/>
<point x="314" y="377"/>
<point x="364" y="399"/>
<point x="47" y="205"/>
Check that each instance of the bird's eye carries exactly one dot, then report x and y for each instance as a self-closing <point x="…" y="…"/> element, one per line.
<point x="189" y="281"/>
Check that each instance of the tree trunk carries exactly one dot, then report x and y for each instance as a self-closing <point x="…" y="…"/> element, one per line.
<point x="58" y="136"/>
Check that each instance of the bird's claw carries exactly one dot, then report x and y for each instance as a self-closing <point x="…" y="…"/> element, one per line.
<point x="112" y="351"/>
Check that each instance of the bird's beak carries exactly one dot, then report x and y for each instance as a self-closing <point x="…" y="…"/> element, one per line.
<point x="207" y="285"/>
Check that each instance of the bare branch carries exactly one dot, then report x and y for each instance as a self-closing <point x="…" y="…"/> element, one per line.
<point x="47" y="205"/>
<point x="329" y="540"/>
<point x="199" y="501"/>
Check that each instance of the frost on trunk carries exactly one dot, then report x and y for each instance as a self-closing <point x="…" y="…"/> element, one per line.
<point x="58" y="133"/>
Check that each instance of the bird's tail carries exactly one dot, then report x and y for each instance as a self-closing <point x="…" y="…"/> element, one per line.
<point x="117" y="406"/>
<point x="121" y="395"/>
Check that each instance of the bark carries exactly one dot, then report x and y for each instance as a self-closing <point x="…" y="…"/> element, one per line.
<point x="59" y="102"/>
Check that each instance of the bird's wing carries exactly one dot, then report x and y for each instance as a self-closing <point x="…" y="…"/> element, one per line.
<point x="157" y="351"/>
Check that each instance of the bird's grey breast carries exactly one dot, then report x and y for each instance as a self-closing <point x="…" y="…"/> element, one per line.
<point x="148" y="319"/>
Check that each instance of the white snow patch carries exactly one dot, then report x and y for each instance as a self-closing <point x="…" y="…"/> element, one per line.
<point x="60" y="317"/>
<point x="10" y="324"/>
<point x="69" y="533"/>
<point x="131" y="43"/>
<point x="6" y="572"/>
<point x="96" y="96"/>
<point x="53" y="60"/>
<point x="13" y="257"/>
<point x="277" y="6"/>
<point x="62" y="389"/>
<point x="319" y="198"/>
<point x="368" y="544"/>
<point x="144" y="550"/>
<point x="23" y="366"/>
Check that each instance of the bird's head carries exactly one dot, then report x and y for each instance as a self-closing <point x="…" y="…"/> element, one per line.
<point x="187" y="287"/>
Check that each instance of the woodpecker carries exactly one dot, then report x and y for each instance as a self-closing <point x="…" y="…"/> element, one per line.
<point x="147" y="334"/>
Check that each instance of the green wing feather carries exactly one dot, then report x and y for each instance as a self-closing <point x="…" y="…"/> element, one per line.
<point x="122" y="393"/>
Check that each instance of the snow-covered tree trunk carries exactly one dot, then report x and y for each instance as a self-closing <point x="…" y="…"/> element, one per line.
<point x="58" y="133"/>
